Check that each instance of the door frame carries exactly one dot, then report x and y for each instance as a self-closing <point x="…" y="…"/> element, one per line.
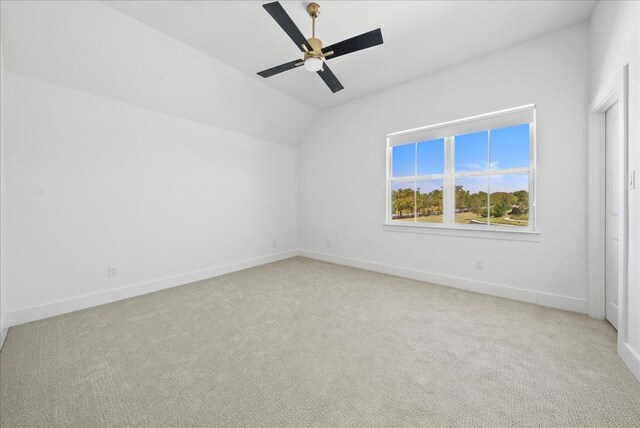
<point x="616" y="91"/>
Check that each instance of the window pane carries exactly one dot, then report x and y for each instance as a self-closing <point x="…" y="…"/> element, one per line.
<point x="471" y="200"/>
<point x="509" y="200"/>
<point x="403" y="160"/>
<point x="403" y="201"/>
<point x="429" y="201"/>
<point x="472" y="152"/>
<point x="431" y="157"/>
<point x="510" y="147"/>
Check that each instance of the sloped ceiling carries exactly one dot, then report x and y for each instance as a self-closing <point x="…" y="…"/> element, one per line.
<point x="93" y="48"/>
<point x="198" y="59"/>
<point x="420" y="36"/>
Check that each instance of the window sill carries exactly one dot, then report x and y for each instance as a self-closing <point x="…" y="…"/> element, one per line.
<point x="480" y="232"/>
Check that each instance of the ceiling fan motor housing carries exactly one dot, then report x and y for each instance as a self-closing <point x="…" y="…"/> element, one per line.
<point x="316" y="44"/>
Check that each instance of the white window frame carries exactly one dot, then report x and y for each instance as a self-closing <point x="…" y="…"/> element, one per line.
<point x="448" y="131"/>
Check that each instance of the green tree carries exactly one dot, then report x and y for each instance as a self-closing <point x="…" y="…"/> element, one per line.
<point x="463" y="199"/>
<point x="501" y="203"/>
<point x="500" y="208"/>
<point x="505" y="197"/>
<point x="402" y="201"/>
<point x="435" y="201"/>
<point x="422" y="203"/>
<point x="522" y="200"/>
<point x="478" y="201"/>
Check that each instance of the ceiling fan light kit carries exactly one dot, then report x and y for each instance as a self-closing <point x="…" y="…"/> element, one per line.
<point x="313" y="63"/>
<point x="314" y="55"/>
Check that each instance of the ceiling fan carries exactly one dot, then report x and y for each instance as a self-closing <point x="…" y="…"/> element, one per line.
<point x="314" y="54"/>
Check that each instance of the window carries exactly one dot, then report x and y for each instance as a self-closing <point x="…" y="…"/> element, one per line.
<point x="475" y="173"/>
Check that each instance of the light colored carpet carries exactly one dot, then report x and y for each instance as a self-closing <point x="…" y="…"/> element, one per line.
<point x="307" y="343"/>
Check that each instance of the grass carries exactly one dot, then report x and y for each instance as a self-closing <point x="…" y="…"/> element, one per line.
<point x="424" y="219"/>
<point x="466" y="218"/>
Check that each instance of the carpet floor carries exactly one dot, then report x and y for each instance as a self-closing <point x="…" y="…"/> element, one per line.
<point x="306" y="343"/>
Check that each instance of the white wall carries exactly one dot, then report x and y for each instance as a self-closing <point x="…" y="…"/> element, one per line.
<point x="3" y="301"/>
<point x="92" y="183"/>
<point x="342" y="181"/>
<point x="615" y="41"/>
<point x="125" y="147"/>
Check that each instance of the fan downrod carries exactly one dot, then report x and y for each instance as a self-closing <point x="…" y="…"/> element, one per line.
<point x="313" y="9"/>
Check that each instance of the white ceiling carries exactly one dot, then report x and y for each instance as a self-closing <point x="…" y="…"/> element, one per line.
<point x="419" y="37"/>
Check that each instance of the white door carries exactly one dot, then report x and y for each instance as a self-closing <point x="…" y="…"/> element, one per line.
<point x="613" y="215"/>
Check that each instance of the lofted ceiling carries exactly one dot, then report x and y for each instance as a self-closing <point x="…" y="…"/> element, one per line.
<point x="419" y="37"/>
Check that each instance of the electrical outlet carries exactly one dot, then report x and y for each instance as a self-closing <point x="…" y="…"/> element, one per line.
<point x="112" y="271"/>
<point x="480" y="264"/>
<point x="274" y="244"/>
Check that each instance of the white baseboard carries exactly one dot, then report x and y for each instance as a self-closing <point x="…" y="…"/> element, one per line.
<point x="523" y="295"/>
<point x="60" y="307"/>
<point x="3" y="331"/>
<point x="631" y="358"/>
<point x="21" y="316"/>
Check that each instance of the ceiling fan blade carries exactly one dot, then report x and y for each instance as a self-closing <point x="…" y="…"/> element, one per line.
<point x="280" y="68"/>
<point x="357" y="43"/>
<point x="278" y="13"/>
<point x="330" y="79"/>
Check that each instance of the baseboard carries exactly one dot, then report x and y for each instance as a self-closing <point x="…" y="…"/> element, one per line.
<point x="631" y="358"/>
<point x="3" y="332"/>
<point x="540" y="298"/>
<point x="60" y="307"/>
<point x="34" y="313"/>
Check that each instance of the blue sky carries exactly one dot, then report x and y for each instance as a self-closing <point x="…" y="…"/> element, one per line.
<point x="509" y="149"/>
<point x="430" y="158"/>
<point x="428" y="186"/>
<point x="472" y="152"/>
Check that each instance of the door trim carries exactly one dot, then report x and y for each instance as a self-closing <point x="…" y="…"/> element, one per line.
<point x="615" y="92"/>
